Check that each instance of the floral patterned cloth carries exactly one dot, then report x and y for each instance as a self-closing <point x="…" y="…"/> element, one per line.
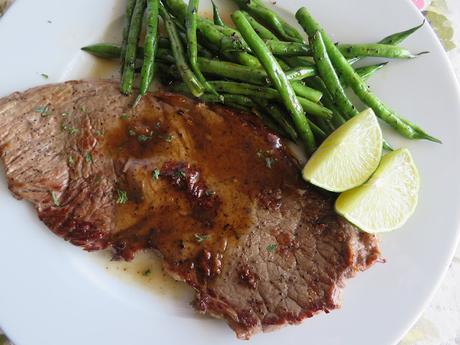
<point x="440" y="323"/>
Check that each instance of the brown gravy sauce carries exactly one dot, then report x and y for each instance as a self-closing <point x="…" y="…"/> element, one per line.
<point x="190" y="179"/>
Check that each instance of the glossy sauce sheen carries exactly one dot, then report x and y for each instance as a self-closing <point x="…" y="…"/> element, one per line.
<point x="192" y="177"/>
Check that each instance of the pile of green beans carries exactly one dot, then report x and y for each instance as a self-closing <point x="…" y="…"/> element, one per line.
<point x="263" y="65"/>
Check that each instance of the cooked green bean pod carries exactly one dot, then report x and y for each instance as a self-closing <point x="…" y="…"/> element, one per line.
<point x="300" y="73"/>
<point x="278" y="78"/>
<point x="330" y="77"/>
<point x="150" y="48"/>
<point x="398" y="37"/>
<point x="216" y="15"/>
<point x="281" y="48"/>
<point x="375" y="50"/>
<point x="192" y="44"/>
<point x="259" y="10"/>
<point x="127" y="76"/>
<point x="126" y="24"/>
<point x="403" y="126"/>
<point x="186" y="73"/>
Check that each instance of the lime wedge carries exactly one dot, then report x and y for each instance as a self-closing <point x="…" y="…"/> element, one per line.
<point x="349" y="156"/>
<point x="388" y="199"/>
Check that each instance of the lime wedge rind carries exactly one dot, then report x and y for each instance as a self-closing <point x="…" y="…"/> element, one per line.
<point x="388" y="199"/>
<point x="349" y="156"/>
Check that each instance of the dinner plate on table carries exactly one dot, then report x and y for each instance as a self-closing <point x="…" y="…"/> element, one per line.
<point x="52" y="293"/>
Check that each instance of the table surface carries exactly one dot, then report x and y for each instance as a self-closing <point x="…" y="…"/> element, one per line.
<point x="440" y="322"/>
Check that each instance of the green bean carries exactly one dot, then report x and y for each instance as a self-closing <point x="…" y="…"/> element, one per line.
<point x="337" y="118"/>
<point x="246" y="104"/>
<point x="254" y="76"/>
<point x="245" y="89"/>
<point x="186" y="73"/>
<point x="278" y="78"/>
<point x="298" y="61"/>
<point x="216" y="15"/>
<point x="261" y="30"/>
<point x="305" y="91"/>
<point x="210" y="66"/>
<point x="301" y="89"/>
<point x="403" y="126"/>
<point x="106" y="50"/>
<point x="212" y="34"/>
<point x="264" y="92"/>
<point x="281" y="48"/>
<point x="235" y="99"/>
<point x="127" y="77"/>
<point x="266" y="34"/>
<point x="398" y="37"/>
<point x="192" y="45"/>
<point x="300" y="73"/>
<point x="258" y="10"/>
<point x="229" y="39"/>
<point x="233" y="71"/>
<point x="163" y="42"/>
<point x="315" y="109"/>
<point x="365" y="72"/>
<point x="150" y="47"/>
<point x="330" y="77"/>
<point x="277" y="116"/>
<point x="126" y="25"/>
<point x="375" y="50"/>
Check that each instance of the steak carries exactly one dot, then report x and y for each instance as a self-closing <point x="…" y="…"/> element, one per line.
<point x="211" y="190"/>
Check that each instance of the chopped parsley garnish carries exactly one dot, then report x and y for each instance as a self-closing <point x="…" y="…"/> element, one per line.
<point x="65" y="114"/>
<point x="83" y="109"/>
<point x="124" y="116"/>
<point x="43" y="111"/>
<point x="143" y="138"/>
<point x="55" y="199"/>
<point x="155" y="174"/>
<point x="209" y="192"/>
<point x="132" y="133"/>
<point x="69" y="129"/>
<point x="44" y="75"/>
<point x="271" y="247"/>
<point x="146" y="272"/>
<point x="89" y="157"/>
<point x="180" y="174"/>
<point x="269" y="161"/>
<point x="70" y="160"/>
<point x="99" y="133"/>
<point x="168" y="138"/>
<point x="201" y="238"/>
<point x="122" y="197"/>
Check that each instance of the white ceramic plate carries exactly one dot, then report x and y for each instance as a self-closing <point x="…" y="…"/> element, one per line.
<point x="53" y="293"/>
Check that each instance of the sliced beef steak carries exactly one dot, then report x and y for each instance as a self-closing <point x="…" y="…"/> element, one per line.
<point x="211" y="190"/>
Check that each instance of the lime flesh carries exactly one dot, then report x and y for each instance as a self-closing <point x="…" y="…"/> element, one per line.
<point x="349" y="156"/>
<point x="388" y="199"/>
